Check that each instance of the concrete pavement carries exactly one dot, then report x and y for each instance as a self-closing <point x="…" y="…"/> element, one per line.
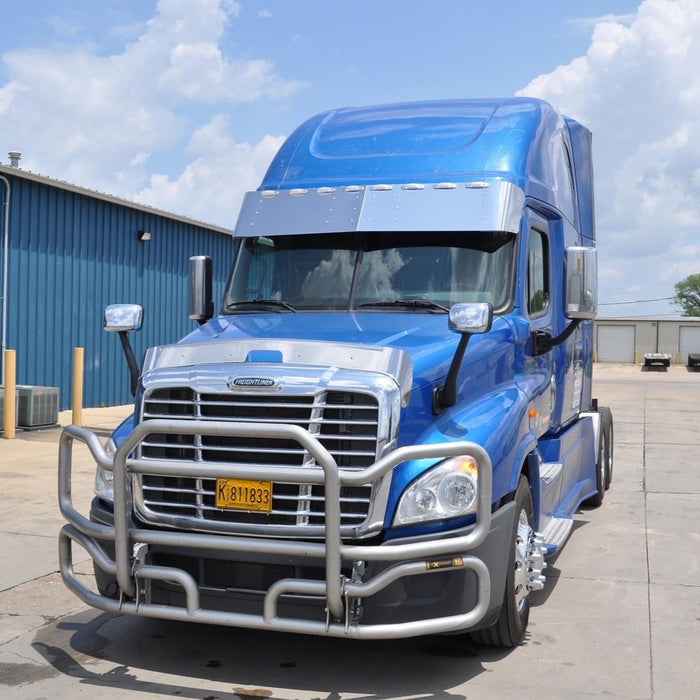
<point x="28" y="487"/>
<point x="619" y="616"/>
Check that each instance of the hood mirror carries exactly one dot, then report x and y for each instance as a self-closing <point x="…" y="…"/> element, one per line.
<point x="123" y="319"/>
<point x="471" y="318"/>
<point x="468" y="320"/>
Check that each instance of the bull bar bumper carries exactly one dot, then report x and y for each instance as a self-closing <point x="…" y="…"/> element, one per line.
<point x="130" y="542"/>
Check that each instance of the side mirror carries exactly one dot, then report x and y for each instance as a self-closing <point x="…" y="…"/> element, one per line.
<point x="581" y="301"/>
<point x="201" y="303"/>
<point x="581" y="283"/>
<point x="123" y="319"/>
<point x="468" y="320"/>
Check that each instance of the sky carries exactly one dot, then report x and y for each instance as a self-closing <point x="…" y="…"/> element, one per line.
<point x="181" y="104"/>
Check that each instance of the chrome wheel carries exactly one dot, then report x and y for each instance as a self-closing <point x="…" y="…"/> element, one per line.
<point x="522" y="537"/>
<point x="529" y="561"/>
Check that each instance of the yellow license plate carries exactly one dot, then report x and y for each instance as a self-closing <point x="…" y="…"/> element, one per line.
<point x="240" y="494"/>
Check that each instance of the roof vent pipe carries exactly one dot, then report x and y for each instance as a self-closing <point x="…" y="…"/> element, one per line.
<point x="14" y="158"/>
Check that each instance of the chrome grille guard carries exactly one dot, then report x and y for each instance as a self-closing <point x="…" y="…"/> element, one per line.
<point x="406" y="559"/>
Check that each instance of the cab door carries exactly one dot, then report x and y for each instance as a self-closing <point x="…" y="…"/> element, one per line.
<point x="538" y="308"/>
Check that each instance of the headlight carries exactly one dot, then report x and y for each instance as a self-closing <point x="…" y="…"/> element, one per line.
<point x="445" y="491"/>
<point x="104" y="479"/>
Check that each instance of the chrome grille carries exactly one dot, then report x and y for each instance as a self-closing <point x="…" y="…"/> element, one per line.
<point x="345" y="423"/>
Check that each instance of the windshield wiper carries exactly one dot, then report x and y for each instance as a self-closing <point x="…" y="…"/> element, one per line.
<point x="276" y="303"/>
<point x="409" y="303"/>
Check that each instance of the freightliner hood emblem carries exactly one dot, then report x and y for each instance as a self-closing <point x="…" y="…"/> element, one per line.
<point x="263" y="383"/>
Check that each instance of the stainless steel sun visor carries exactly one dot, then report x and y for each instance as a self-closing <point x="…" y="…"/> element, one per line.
<point x="490" y="205"/>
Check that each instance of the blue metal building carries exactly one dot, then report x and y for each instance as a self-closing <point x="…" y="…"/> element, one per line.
<point x="67" y="252"/>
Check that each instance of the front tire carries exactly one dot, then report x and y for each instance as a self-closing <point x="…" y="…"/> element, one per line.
<point x="509" y="629"/>
<point x="106" y="583"/>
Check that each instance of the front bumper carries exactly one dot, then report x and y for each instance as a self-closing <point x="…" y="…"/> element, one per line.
<point x="422" y="585"/>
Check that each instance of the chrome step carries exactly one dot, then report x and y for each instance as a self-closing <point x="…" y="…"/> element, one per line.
<point x="555" y="532"/>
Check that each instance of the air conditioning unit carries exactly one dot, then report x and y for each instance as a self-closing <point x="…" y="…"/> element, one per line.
<point x="37" y="406"/>
<point x="2" y="407"/>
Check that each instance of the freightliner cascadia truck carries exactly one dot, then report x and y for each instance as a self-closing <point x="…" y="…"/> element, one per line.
<point x="388" y="424"/>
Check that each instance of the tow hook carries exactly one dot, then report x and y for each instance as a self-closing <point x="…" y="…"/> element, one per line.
<point x="353" y="606"/>
<point x="143" y="586"/>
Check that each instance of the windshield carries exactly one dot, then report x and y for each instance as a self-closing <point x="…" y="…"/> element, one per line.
<point x="426" y="272"/>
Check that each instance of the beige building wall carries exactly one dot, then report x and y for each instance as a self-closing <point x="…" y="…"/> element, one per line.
<point x="652" y="336"/>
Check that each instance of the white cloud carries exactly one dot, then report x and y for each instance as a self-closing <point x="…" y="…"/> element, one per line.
<point x="638" y="90"/>
<point x="589" y="23"/>
<point x="211" y="187"/>
<point x="98" y="120"/>
<point x="64" y="27"/>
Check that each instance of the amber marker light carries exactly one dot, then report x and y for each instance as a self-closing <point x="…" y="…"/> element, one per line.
<point x="467" y="465"/>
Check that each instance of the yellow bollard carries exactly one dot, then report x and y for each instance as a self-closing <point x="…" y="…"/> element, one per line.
<point x="78" y="354"/>
<point x="9" y="406"/>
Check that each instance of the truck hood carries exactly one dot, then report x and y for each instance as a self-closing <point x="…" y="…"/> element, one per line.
<point x="425" y="338"/>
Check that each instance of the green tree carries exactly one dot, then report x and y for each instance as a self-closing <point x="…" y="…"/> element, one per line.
<point x="687" y="296"/>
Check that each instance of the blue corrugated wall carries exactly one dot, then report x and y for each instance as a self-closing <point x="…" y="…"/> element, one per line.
<point x="70" y="255"/>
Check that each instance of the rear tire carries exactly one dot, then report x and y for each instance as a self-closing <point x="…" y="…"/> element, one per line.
<point x="609" y="437"/>
<point x="603" y="465"/>
<point x="509" y="629"/>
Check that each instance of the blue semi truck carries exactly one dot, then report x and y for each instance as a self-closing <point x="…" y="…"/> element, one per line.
<point x="388" y="424"/>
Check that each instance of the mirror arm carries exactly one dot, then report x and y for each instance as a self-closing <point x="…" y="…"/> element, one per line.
<point x="130" y="361"/>
<point x="542" y="342"/>
<point x="446" y="395"/>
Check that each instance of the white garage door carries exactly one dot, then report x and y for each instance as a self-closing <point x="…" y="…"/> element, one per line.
<point x="689" y="341"/>
<point x="615" y="343"/>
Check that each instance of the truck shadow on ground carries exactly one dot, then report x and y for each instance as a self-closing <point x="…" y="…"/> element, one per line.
<point x="136" y="654"/>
